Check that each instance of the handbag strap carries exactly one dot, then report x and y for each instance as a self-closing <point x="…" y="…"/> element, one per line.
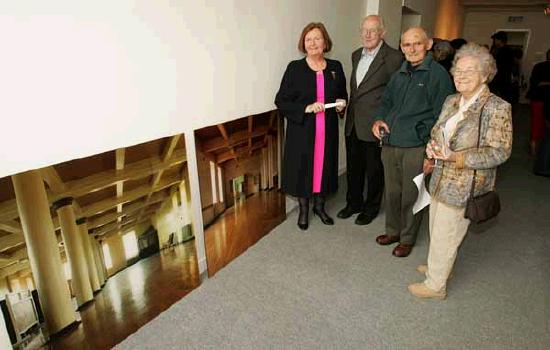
<point x="478" y="138"/>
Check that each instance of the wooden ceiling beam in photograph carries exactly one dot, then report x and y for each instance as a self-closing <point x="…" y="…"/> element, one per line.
<point x="237" y="138"/>
<point x="108" y="218"/>
<point x="56" y="184"/>
<point x="132" y="171"/>
<point x="225" y="136"/>
<point x="166" y="154"/>
<point x="14" y="268"/>
<point x="120" y="155"/>
<point x="10" y="241"/>
<point x="81" y="187"/>
<point x="8" y="259"/>
<point x="118" y="230"/>
<point x="224" y="157"/>
<point x="11" y="226"/>
<point x="250" y="128"/>
<point x="130" y="196"/>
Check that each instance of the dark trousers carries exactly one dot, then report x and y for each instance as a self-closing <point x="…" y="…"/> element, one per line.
<point x="363" y="158"/>
<point x="401" y="165"/>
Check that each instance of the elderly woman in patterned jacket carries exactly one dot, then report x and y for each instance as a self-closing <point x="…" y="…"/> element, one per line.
<point x="454" y="146"/>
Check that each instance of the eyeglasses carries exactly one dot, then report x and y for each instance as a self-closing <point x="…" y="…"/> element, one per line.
<point x="465" y="72"/>
<point x="370" y="32"/>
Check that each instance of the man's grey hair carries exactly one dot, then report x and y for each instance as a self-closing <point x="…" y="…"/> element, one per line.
<point x="381" y="24"/>
<point x="425" y="34"/>
<point x="481" y="54"/>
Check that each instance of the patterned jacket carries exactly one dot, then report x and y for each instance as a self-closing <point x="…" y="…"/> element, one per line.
<point x="452" y="183"/>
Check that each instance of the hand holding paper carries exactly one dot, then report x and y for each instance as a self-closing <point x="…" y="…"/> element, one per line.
<point x="338" y="103"/>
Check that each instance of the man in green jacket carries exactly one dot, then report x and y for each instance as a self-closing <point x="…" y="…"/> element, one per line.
<point x="410" y="107"/>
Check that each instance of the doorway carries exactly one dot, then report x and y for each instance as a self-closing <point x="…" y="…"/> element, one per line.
<point x="518" y="40"/>
<point x="409" y="18"/>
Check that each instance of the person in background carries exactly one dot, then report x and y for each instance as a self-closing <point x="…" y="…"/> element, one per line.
<point x="454" y="143"/>
<point x="539" y="85"/>
<point x="373" y="64"/>
<point x="517" y="76"/>
<point x="501" y="85"/>
<point x="542" y="162"/>
<point x="443" y="54"/>
<point x="410" y="106"/>
<point x="458" y="43"/>
<point x="310" y="164"/>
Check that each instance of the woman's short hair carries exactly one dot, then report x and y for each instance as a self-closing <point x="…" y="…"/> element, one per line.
<point x="486" y="62"/>
<point x="309" y="28"/>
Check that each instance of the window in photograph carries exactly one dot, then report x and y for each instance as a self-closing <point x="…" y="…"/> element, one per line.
<point x="213" y="182"/>
<point x="30" y="284"/>
<point x="67" y="270"/>
<point x="220" y="183"/>
<point x="107" y="255"/>
<point x="131" y="249"/>
<point x="16" y="286"/>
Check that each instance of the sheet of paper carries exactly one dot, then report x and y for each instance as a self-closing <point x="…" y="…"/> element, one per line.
<point x="332" y="105"/>
<point x="423" y="196"/>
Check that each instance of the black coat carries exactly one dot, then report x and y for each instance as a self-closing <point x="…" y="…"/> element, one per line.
<point x="298" y="89"/>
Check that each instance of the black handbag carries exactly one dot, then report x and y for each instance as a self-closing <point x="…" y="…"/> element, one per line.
<point x="485" y="206"/>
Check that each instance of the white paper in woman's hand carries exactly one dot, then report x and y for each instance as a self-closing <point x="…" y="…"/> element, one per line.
<point x="332" y="105"/>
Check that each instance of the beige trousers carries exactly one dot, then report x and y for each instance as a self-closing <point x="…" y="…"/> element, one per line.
<point x="448" y="228"/>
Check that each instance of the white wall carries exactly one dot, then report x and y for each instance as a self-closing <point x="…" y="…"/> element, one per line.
<point x="479" y="25"/>
<point x="427" y="10"/>
<point x="130" y="71"/>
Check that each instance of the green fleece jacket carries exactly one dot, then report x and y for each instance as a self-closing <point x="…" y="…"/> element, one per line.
<point x="412" y="102"/>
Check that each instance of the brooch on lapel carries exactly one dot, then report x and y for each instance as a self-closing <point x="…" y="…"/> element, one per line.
<point x="333" y="74"/>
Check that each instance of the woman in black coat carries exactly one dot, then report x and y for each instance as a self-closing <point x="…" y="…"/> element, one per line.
<point x="310" y="166"/>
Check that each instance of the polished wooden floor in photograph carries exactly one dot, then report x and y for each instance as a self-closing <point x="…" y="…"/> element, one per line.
<point x="133" y="297"/>
<point x="240" y="226"/>
<point x="139" y="293"/>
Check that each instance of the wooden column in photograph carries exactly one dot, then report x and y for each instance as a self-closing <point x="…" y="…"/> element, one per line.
<point x="197" y="220"/>
<point x="42" y="249"/>
<point x="265" y="184"/>
<point x="270" y="168"/>
<point x="98" y="262"/>
<point x="92" y="271"/>
<point x="74" y="247"/>
<point x="102" y="259"/>
<point x="449" y="19"/>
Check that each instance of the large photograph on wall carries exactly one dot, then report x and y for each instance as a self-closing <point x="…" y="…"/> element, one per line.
<point x="94" y="248"/>
<point x="239" y="166"/>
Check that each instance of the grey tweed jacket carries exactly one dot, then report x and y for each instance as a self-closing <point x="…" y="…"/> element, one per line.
<point x="451" y="184"/>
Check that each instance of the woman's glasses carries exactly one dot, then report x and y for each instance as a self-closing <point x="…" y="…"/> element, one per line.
<point x="466" y="72"/>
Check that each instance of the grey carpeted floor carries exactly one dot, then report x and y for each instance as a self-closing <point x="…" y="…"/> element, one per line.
<point x="335" y="288"/>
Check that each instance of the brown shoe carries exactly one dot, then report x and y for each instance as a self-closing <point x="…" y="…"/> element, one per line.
<point x="385" y="239"/>
<point x="402" y="250"/>
<point x="421" y="291"/>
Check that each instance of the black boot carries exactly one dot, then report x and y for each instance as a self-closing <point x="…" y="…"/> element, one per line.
<point x="319" y="210"/>
<point x="303" y="221"/>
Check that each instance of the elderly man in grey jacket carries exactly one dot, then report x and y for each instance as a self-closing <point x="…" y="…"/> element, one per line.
<point x="373" y="65"/>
